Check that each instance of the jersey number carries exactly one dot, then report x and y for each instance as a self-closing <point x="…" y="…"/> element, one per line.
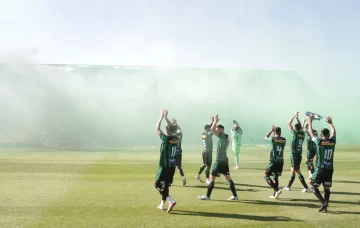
<point x="279" y="150"/>
<point x="300" y="144"/>
<point x="328" y="154"/>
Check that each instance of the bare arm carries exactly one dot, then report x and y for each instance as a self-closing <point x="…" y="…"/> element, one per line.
<point x="333" y="131"/>
<point x="213" y="126"/>
<point x="310" y="128"/>
<point x="158" y="126"/>
<point x="290" y="127"/>
<point x="268" y="134"/>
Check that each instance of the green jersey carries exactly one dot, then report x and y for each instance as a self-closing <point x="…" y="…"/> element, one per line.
<point x="178" y="146"/>
<point x="168" y="150"/>
<point x="222" y="146"/>
<point x="325" y="154"/>
<point x="236" y="138"/>
<point x="277" y="149"/>
<point x="207" y="141"/>
<point x="298" y="138"/>
<point x="311" y="146"/>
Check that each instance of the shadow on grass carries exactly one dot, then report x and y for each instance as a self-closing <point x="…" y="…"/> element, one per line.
<point x="223" y="188"/>
<point x="347" y="182"/>
<point x="280" y="202"/>
<point x="235" y="216"/>
<point x="343" y="212"/>
<point x="330" y="202"/>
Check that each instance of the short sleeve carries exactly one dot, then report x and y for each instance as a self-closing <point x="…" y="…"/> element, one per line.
<point x="270" y="139"/>
<point x="334" y="139"/>
<point x="293" y="132"/>
<point x="316" y="139"/>
<point x="163" y="137"/>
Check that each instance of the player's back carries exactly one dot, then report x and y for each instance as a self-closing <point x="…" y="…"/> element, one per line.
<point x="311" y="146"/>
<point x="298" y="138"/>
<point x="207" y="141"/>
<point x="277" y="150"/>
<point x="222" y="146"/>
<point x="325" y="158"/>
<point x="168" y="150"/>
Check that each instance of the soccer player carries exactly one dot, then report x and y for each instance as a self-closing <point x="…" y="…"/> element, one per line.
<point x="325" y="162"/>
<point x="276" y="160"/>
<point x="236" y="133"/>
<point x="178" y="156"/>
<point x="165" y="174"/>
<point x="311" y="149"/>
<point x="298" y="137"/>
<point x="206" y="153"/>
<point x="221" y="165"/>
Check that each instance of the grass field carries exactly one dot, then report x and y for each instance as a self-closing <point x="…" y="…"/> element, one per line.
<point x="115" y="189"/>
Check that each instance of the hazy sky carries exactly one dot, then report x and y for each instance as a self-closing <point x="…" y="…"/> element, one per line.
<point x="318" y="39"/>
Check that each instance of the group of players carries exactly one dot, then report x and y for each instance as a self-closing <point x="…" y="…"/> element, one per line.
<point x="322" y="147"/>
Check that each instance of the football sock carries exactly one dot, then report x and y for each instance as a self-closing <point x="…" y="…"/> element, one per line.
<point x="210" y="188"/>
<point x="232" y="188"/>
<point x="291" y="181"/>
<point x="202" y="169"/>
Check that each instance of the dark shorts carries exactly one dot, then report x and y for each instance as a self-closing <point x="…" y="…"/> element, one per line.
<point x="178" y="159"/>
<point x="274" y="169"/>
<point x="310" y="156"/>
<point x="322" y="176"/>
<point x="220" y="167"/>
<point x="165" y="175"/>
<point x="207" y="158"/>
<point x="295" y="161"/>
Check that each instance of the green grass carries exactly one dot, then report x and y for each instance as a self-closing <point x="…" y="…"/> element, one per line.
<point x="115" y="189"/>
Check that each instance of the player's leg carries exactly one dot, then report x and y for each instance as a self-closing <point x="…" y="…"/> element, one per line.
<point x="292" y="177"/>
<point x="273" y="184"/>
<point x="236" y="151"/>
<point x="169" y="180"/>
<point x="202" y="167"/>
<point x="214" y="174"/>
<point x="300" y="176"/>
<point x="178" y="160"/>
<point x="316" y="181"/>
<point x="208" y="168"/>
<point x="160" y="177"/>
<point x="226" y="172"/>
<point x="327" y="185"/>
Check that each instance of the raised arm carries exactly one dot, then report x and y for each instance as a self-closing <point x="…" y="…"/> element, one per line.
<point x="268" y="134"/>
<point x="290" y="127"/>
<point x="213" y="125"/>
<point x="158" y="124"/>
<point x="310" y="128"/>
<point x="329" y="121"/>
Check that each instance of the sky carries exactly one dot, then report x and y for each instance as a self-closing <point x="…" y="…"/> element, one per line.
<point x="317" y="39"/>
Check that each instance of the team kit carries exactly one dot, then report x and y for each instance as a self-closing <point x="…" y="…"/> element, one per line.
<point x="319" y="145"/>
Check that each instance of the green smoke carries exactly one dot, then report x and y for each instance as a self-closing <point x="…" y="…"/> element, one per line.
<point x="108" y="106"/>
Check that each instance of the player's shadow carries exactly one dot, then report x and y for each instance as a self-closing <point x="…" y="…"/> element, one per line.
<point x="343" y="212"/>
<point x="346" y="193"/>
<point x="331" y="201"/>
<point x="224" y="188"/>
<point x="253" y="186"/>
<point x="347" y="182"/>
<point x="278" y="202"/>
<point x="234" y="216"/>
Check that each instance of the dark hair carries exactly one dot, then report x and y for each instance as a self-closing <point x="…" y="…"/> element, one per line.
<point x="298" y="127"/>
<point x="325" y="132"/>
<point x="220" y="126"/>
<point x="278" y="130"/>
<point x="171" y="128"/>
<point x="206" y="126"/>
